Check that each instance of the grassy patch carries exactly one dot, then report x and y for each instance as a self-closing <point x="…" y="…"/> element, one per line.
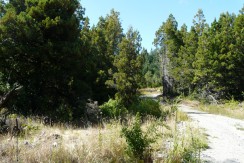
<point x="230" y="108"/>
<point x="150" y="91"/>
<point x="183" y="142"/>
<point x="182" y="116"/>
<point x="236" y="111"/>
<point x="177" y="139"/>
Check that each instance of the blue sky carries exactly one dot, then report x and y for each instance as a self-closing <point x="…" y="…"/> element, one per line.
<point x="146" y="16"/>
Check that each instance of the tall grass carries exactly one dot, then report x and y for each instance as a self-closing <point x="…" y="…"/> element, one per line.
<point x="176" y="141"/>
<point x="230" y="108"/>
<point x="183" y="141"/>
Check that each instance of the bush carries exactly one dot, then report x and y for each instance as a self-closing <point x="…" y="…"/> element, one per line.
<point x="113" y="109"/>
<point x="232" y="104"/>
<point x="146" y="107"/>
<point x="138" y="142"/>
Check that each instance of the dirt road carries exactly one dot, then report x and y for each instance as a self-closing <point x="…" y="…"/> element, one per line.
<point x="225" y="135"/>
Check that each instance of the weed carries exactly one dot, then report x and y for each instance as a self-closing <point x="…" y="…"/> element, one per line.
<point x="187" y="146"/>
<point x="181" y="116"/>
<point x="138" y="142"/>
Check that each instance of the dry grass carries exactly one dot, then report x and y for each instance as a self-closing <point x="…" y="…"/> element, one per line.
<point x="182" y="143"/>
<point x="234" y="111"/>
<point x="182" y="116"/>
<point x="150" y="91"/>
<point x="58" y="144"/>
<point x="230" y="108"/>
<point x="55" y="144"/>
<point x="192" y="103"/>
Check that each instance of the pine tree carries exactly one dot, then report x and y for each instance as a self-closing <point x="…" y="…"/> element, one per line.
<point x="169" y="41"/>
<point x="199" y="22"/>
<point x="238" y="50"/>
<point x="129" y="66"/>
<point x="106" y="36"/>
<point x="185" y="60"/>
<point x="40" y="50"/>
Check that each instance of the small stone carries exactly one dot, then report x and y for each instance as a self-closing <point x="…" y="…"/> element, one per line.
<point x="55" y="144"/>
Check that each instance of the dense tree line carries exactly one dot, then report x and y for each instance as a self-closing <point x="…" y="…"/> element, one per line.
<point x="52" y="61"/>
<point x="205" y="59"/>
<point x="151" y="69"/>
<point x="41" y="52"/>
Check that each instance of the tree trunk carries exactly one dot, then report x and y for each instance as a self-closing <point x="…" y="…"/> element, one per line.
<point x="166" y="81"/>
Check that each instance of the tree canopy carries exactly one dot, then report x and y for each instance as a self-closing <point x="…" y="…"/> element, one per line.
<point x="128" y="64"/>
<point x="205" y="59"/>
<point x="40" y="50"/>
<point x="52" y="61"/>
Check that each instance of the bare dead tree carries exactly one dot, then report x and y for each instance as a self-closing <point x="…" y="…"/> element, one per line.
<point x="166" y="80"/>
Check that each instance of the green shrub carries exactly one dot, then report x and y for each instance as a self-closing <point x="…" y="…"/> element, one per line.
<point x="138" y="142"/>
<point x="146" y="107"/>
<point x="113" y="109"/>
<point x="232" y="103"/>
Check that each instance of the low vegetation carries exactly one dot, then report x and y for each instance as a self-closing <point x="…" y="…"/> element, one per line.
<point x="224" y="109"/>
<point x="168" y="139"/>
<point x="150" y="91"/>
<point x="230" y="108"/>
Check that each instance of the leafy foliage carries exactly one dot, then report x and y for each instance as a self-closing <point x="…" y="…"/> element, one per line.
<point x="204" y="59"/>
<point x="104" y="41"/>
<point x="40" y="50"/>
<point x="113" y="109"/>
<point x="128" y="66"/>
<point x="146" y="107"/>
<point x="151" y="68"/>
<point x="138" y="142"/>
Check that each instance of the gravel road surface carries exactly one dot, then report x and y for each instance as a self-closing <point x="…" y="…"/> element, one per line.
<point x="225" y="135"/>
